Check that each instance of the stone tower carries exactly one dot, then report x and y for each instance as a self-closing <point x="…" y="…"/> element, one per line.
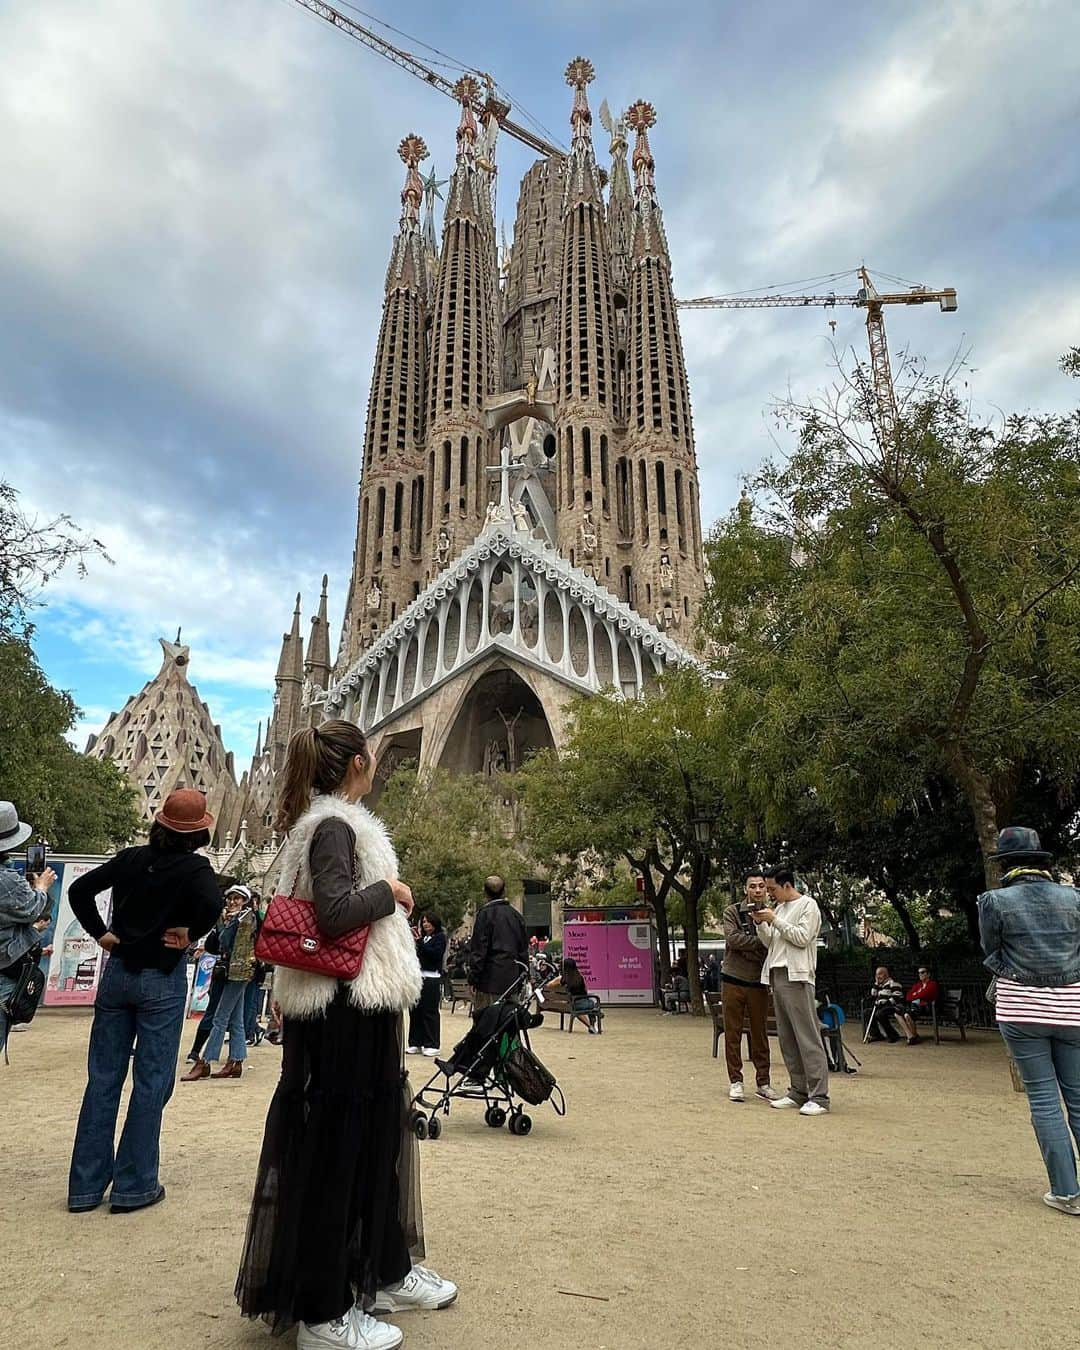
<point x="164" y="738"/>
<point x="585" y="353"/>
<point x="659" y="430"/>
<point x="464" y="358"/>
<point x="549" y="524"/>
<point x="387" y="564"/>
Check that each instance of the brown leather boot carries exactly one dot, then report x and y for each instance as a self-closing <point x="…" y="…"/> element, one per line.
<point x="200" y="1069"/>
<point x="232" y="1068"/>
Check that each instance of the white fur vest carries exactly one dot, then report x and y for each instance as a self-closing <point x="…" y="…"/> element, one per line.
<point x="389" y="979"/>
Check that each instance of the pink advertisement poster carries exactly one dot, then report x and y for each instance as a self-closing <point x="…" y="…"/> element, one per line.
<point x="616" y="959"/>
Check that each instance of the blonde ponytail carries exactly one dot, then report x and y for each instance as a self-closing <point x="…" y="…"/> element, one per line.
<point x="318" y="759"/>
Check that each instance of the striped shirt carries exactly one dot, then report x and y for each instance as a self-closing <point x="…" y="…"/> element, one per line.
<point x="1050" y="1005"/>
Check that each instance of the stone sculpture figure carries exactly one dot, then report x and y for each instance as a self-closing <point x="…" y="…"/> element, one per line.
<point x="667" y="574"/>
<point x="442" y="548"/>
<point x="588" y="535"/>
<point x="374" y="596"/>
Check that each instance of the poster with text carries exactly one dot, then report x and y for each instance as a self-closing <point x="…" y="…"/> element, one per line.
<point x="615" y="959"/>
<point x="76" y="962"/>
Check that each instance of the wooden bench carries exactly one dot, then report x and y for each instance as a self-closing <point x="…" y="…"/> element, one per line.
<point x="460" y="993"/>
<point x="715" y="1004"/>
<point x="559" y="1001"/>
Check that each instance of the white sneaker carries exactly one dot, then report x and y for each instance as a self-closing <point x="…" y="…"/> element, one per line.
<point x="782" y="1103"/>
<point x="421" y="1288"/>
<point x="357" y="1331"/>
<point x="431" y="1051"/>
<point x="412" y="1050"/>
<point x="736" y="1093"/>
<point x="770" y="1094"/>
<point x="812" y="1109"/>
<point x="1068" y="1204"/>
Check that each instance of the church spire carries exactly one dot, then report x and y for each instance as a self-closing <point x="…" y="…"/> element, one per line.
<point x="648" y="226"/>
<point x="620" y="212"/>
<point x="317" y="664"/>
<point x="659" y="429"/>
<point x="583" y="183"/>
<point x="464" y="341"/>
<point x="392" y="473"/>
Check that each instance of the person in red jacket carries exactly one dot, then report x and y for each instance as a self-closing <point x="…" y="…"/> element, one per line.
<point x="921" y="995"/>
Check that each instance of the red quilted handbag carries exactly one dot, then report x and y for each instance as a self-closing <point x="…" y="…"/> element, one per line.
<point x="290" y="937"/>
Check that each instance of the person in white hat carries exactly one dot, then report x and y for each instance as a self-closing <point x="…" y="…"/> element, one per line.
<point x="22" y="903"/>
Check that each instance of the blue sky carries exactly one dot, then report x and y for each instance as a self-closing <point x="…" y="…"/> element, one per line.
<point x="199" y="200"/>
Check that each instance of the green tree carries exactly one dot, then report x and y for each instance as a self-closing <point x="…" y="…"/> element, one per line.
<point x="450" y="832"/>
<point x="80" y="805"/>
<point x="628" y="784"/>
<point x="895" y="613"/>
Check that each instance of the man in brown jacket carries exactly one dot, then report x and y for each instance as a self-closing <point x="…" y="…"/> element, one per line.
<point x="744" y="994"/>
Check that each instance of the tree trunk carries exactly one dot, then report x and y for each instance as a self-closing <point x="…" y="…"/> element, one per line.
<point x="904" y="915"/>
<point x="658" y="904"/>
<point x="693" y="962"/>
<point x="975" y="786"/>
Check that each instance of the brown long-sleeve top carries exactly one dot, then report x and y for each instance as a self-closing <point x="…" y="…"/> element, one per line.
<point x="340" y="904"/>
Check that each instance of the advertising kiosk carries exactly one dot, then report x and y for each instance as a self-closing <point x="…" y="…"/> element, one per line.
<point x="614" y="948"/>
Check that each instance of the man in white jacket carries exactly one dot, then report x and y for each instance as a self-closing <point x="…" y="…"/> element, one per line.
<point x="790" y="931"/>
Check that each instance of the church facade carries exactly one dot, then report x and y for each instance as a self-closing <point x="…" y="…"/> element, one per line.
<point x="529" y="520"/>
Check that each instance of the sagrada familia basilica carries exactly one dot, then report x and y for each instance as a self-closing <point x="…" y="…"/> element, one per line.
<point x="529" y="520"/>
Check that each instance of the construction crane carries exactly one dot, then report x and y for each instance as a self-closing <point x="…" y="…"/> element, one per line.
<point x="492" y="106"/>
<point x="868" y="297"/>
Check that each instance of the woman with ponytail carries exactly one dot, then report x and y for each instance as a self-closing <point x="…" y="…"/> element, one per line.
<point x="335" y="1220"/>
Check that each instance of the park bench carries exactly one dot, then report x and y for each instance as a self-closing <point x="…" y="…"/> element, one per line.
<point x="460" y="993"/>
<point x="715" y="1004"/>
<point x="559" y="1001"/>
<point x="947" y="1011"/>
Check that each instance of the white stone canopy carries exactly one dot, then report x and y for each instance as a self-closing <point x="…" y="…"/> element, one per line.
<point x="507" y="592"/>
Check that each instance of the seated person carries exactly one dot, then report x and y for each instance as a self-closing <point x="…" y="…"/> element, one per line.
<point x="572" y="982"/>
<point x="922" y="996"/>
<point x="887" y="996"/>
<point x="678" y="991"/>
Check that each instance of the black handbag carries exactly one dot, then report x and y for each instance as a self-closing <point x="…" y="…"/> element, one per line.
<point x="25" y="999"/>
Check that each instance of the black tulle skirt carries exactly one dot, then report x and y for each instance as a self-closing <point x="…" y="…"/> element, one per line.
<point x="336" y="1212"/>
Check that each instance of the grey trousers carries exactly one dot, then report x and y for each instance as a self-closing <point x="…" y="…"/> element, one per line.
<point x="799" y="1033"/>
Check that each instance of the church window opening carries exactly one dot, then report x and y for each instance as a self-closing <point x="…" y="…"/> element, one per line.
<point x="604" y="476"/>
<point x="362" y="560"/>
<point x="643" y="494"/>
<point x="661" y="488"/>
<point x="586" y="455"/>
<point x="570" y="465"/>
<point x="380" y="513"/>
<point x="399" y="492"/>
<point x="446" y="466"/>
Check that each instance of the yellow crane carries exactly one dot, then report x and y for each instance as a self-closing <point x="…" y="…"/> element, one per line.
<point x="868" y="297"/>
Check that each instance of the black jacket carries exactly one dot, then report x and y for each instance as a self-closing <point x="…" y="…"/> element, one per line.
<point x="499" y="942"/>
<point x="151" y="891"/>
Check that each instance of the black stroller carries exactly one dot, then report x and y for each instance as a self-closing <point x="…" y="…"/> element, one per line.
<point x="494" y="1064"/>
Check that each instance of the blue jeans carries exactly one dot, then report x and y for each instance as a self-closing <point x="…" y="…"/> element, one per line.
<point x="229" y="1017"/>
<point x="1048" y="1059"/>
<point x="252" y="995"/>
<point x="145" y="1009"/>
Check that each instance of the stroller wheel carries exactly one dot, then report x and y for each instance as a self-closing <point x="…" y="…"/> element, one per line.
<point x="434" y="1127"/>
<point x="520" y="1124"/>
<point x="420" y="1127"/>
<point x="494" y="1116"/>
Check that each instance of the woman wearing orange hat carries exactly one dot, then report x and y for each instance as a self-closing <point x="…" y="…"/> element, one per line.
<point x="164" y="893"/>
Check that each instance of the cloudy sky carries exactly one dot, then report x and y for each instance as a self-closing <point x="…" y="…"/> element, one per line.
<point x="198" y="200"/>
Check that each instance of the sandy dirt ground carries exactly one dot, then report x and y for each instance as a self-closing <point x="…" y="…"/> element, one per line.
<point x="911" y="1213"/>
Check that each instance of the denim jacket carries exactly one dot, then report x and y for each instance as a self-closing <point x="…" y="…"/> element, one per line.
<point x="20" y="905"/>
<point x="1030" y="932"/>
